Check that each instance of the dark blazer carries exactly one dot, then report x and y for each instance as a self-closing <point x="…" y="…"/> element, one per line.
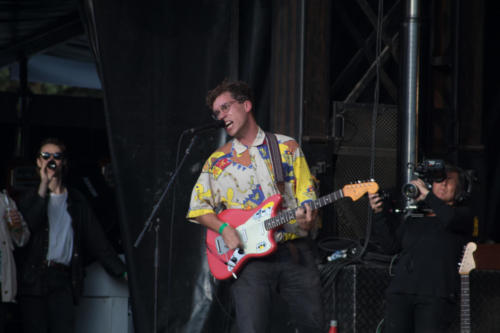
<point x="89" y="240"/>
<point x="429" y="248"/>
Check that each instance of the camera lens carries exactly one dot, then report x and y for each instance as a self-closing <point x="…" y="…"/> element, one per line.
<point x="410" y="191"/>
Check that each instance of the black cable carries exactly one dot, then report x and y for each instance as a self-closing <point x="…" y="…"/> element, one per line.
<point x="171" y="231"/>
<point x="376" y="99"/>
<point x="214" y="283"/>
<point x="330" y="271"/>
<point x="219" y="302"/>
<point x="322" y="243"/>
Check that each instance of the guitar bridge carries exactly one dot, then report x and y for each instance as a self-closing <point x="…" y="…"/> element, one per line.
<point x="221" y="245"/>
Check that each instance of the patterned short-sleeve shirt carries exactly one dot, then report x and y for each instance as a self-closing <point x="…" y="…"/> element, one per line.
<point x="242" y="177"/>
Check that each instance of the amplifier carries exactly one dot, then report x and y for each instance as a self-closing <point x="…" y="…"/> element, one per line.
<point x="360" y="300"/>
<point x="359" y="297"/>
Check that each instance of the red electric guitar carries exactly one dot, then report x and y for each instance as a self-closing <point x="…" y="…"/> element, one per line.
<point x="256" y="228"/>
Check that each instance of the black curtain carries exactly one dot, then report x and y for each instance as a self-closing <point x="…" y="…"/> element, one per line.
<point x="491" y="120"/>
<point x="156" y="61"/>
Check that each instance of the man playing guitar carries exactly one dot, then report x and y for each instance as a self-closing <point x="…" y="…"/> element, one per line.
<point x="240" y="175"/>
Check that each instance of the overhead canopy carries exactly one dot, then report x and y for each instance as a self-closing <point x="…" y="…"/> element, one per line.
<point x="60" y="70"/>
<point x="50" y="35"/>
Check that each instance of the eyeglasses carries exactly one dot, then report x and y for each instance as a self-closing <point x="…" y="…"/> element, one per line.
<point x="57" y="156"/>
<point x="224" y="108"/>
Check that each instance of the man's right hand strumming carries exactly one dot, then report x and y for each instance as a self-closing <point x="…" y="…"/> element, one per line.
<point x="231" y="237"/>
<point x="229" y="234"/>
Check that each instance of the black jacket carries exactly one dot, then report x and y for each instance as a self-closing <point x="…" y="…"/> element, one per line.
<point x="429" y="248"/>
<point x="89" y="239"/>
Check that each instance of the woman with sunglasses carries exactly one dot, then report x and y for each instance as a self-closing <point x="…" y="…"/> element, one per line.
<point x="63" y="231"/>
<point x="51" y="167"/>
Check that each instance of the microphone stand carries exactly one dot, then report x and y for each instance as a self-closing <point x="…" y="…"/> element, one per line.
<point x="148" y="225"/>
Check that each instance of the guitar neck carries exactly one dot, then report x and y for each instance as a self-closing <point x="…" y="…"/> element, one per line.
<point x="465" y="326"/>
<point x="288" y="215"/>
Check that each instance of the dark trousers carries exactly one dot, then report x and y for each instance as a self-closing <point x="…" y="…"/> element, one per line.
<point x="52" y="312"/>
<point x="3" y="317"/>
<point x="419" y="314"/>
<point x="293" y="274"/>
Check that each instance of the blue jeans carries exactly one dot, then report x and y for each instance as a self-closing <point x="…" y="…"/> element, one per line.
<point x="292" y="273"/>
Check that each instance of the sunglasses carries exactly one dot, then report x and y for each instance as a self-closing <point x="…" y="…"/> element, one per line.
<point x="46" y="156"/>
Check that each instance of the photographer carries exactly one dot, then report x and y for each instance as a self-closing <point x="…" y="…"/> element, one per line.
<point x="421" y="296"/>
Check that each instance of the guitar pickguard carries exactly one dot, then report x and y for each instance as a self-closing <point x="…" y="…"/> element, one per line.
<point x="253" y="233"/>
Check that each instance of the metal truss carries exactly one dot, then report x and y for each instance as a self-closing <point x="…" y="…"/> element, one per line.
<point x="360" y="24"/>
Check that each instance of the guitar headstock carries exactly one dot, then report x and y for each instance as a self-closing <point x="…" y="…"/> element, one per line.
<point x="468" y="264"/>
<point x="357" y="190"/>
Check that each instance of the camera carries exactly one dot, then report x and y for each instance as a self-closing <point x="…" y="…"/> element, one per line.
<point x="429" y="171"/>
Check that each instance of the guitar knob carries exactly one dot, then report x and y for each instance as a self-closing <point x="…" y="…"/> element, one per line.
<point x="241" y="251"/>
<point x="233" y="259"/>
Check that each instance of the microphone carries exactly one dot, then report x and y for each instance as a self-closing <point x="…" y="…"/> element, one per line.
<point x="213" y="125"/>
<point x="52" y="165"/>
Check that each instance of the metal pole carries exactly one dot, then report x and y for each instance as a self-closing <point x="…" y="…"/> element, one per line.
<point x="410" y="96"/>
<point x="22" y="109"/>
<point x="301" y="68"/>
<point x="456" y="62"/>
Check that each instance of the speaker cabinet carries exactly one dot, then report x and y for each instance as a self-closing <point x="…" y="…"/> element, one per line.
<point x="353" y="131"/>
<point x="359" y="297"/>
<point x="485" y="300"/>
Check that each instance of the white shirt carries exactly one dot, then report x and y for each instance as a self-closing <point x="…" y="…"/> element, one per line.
<point x="60" y="229"/>
<point x="7" y="238"/>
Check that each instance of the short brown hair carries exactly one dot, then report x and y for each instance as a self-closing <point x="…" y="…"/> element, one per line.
<point x="52" y="141"/>
<point x="239" y="90"/>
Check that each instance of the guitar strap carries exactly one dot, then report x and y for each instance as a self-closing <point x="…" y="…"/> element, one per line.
<point x="279" y="178"/>
<point x="274" y="151"/>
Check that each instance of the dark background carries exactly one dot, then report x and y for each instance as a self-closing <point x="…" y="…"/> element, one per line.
<point x="156" y="61"/>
